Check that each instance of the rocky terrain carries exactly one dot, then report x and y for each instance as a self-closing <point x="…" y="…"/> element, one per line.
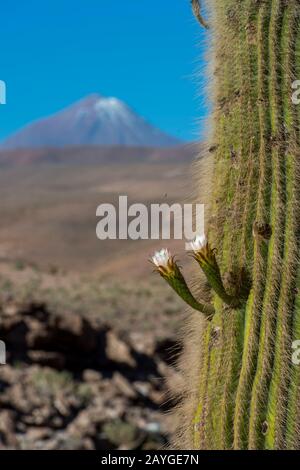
<point x="89" y="328"/>
<point x="71" y="383"/>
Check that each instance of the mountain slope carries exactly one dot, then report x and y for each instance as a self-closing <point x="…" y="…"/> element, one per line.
<point x="95" y="120"/>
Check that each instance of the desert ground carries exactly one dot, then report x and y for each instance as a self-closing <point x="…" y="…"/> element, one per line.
<point x="62" y="288"/>
<point x="48" y="209"/>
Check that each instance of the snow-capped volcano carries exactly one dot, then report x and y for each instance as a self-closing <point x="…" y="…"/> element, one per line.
<point x="95" y="120"/>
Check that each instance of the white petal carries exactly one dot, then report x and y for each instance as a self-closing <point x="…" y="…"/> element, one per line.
<point x="198" y="243"/>
<point x="161" y="258"/>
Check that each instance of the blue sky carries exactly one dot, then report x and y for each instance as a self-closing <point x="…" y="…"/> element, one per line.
<point x="54" y="52"/>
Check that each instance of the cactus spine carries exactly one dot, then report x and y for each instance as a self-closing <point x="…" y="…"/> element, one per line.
<point x="242" y="390"/>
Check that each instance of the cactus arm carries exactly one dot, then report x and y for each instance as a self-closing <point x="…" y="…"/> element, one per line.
<point x="165" y="265"/>
<point x="214" y="278"/>
<point x="179" y="285"/>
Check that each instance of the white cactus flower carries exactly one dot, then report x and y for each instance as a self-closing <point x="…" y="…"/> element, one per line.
<point x="198" y="243"/>
<point x="161" y="258"/>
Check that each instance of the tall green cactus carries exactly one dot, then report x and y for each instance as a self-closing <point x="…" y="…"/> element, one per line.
<point x="242" y="389"/>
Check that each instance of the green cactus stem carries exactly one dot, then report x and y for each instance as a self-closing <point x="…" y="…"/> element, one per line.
<point x="243" y="390"/>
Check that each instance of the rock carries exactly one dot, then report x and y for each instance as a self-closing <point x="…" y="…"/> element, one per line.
<point x="143" y="388"/>
<point x="153" y="427"/>
<point x="9" y="374"/>
<point x="38" y="434"/>
<point x="64" y="441"/>
<point x="13" y="331"/>
<point x="142" y="342"/>
<point x="124" y="386"/>
<point x="62" y="406"/>
<point x="121" y="433"/>
<point x="118" y="351"/>
<point x="17" y="397"/>
<point x="157" y="397"/>
<point x="39" y="416"/>
<point x="88" y="444"/>
<point x="35" y="328"/>
<point x="48" y="358"/>
<point x="75" y="330"/>
<point x="91" y="376"/>
<point x="7" y="427"/>
<point x="10" y="309"/>
<point x="114" y="409"/>
<point x="80" y="386"/>
<point x="68" y="333"/>
<point x="82" y="425"/>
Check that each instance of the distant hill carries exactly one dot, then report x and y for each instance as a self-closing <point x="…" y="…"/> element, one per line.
<point x="49" y="200"/>
<point x="94" y="120"/>
<point x="102" y="155"/>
